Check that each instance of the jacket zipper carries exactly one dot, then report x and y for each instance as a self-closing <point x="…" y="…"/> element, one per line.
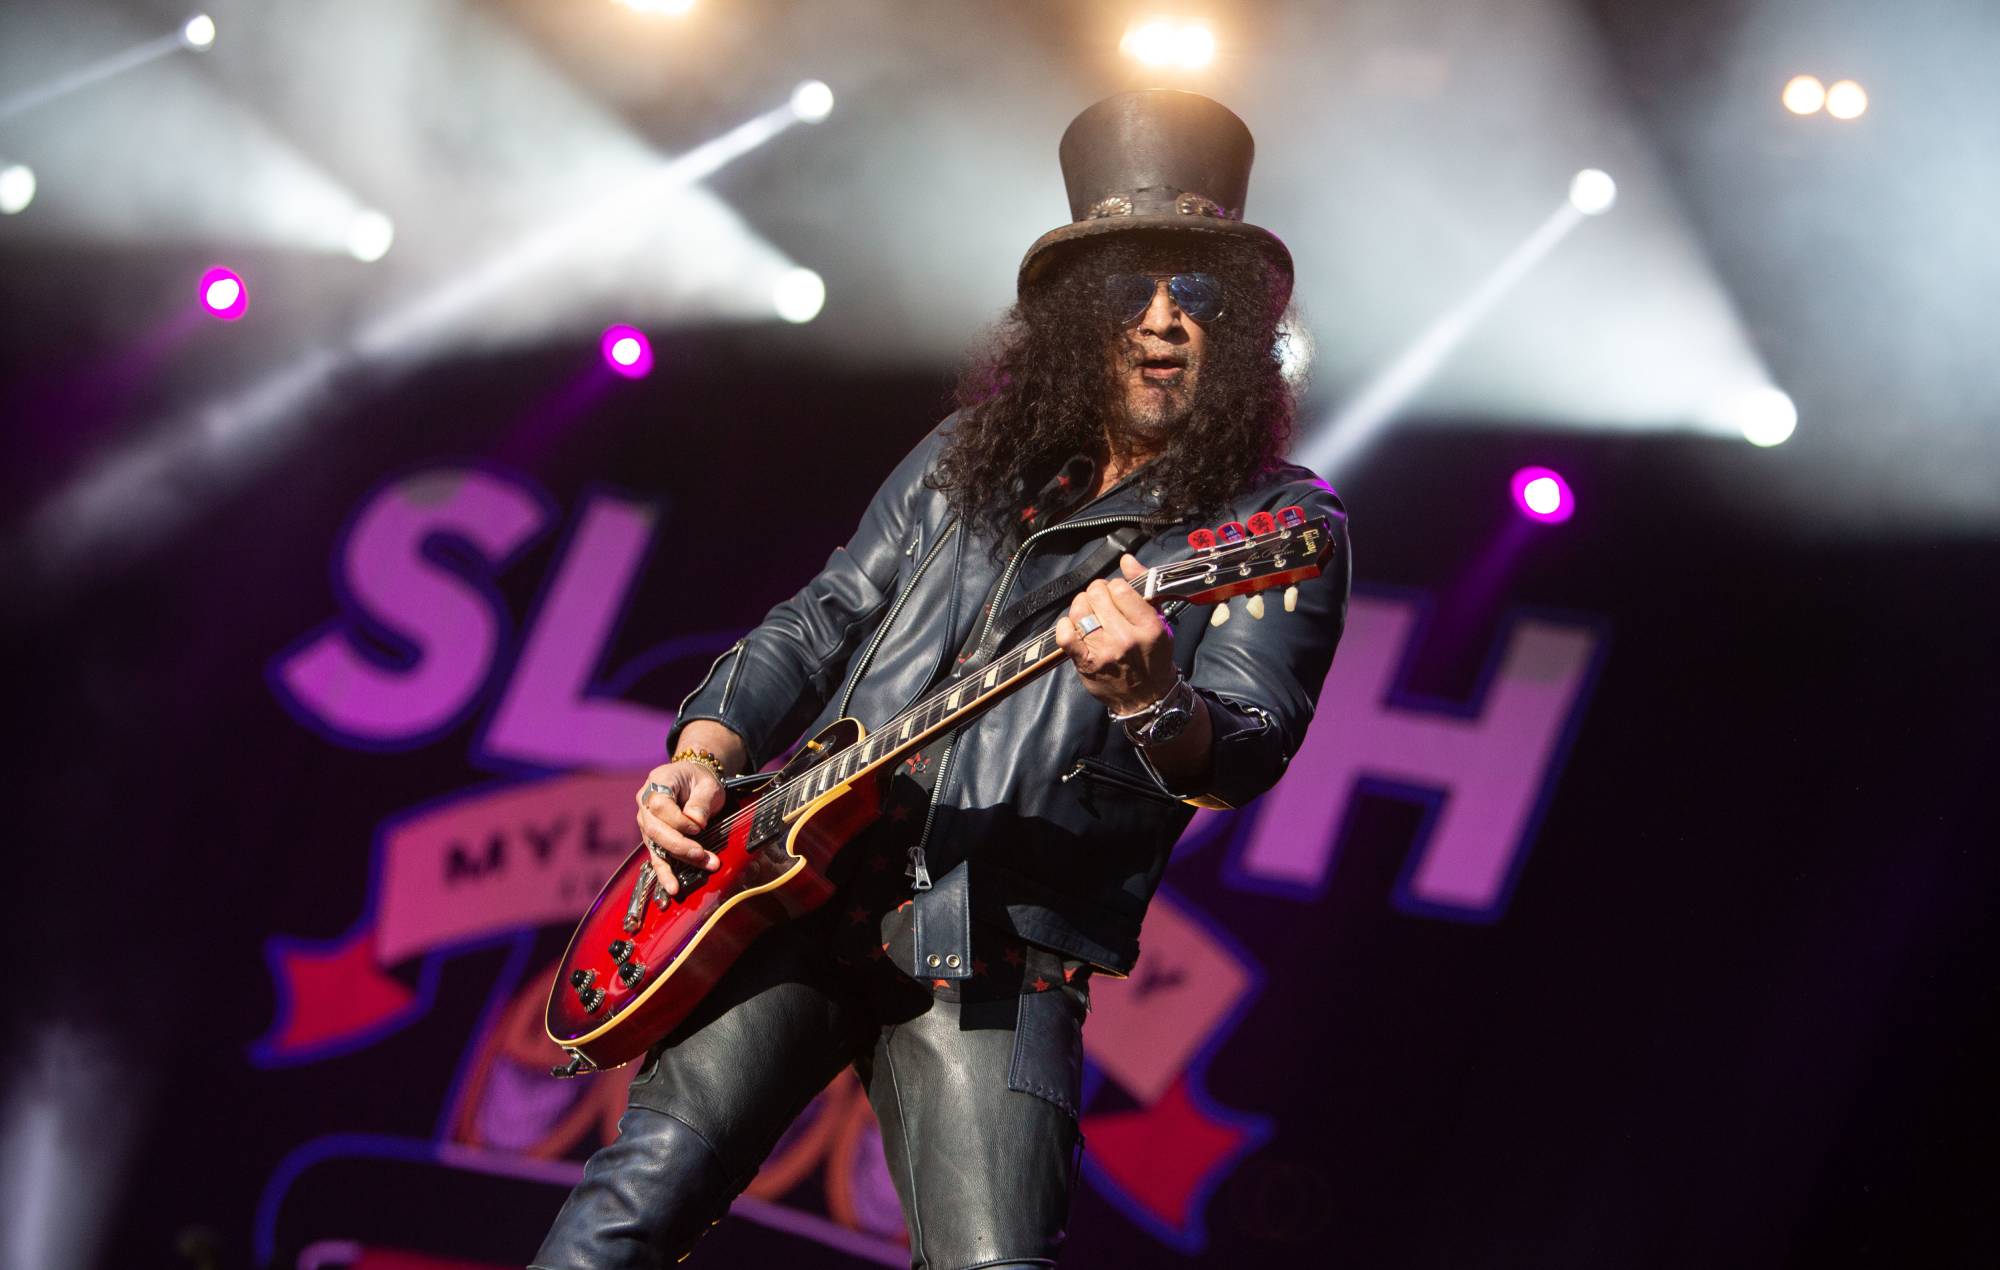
<point x="919" y="870"/>
<point x="1102" y="773"/>
<point x="713" y="666"/>
<point x="729" y="684"/>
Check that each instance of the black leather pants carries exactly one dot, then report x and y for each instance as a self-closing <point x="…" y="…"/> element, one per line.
<point x="977" y="1104"/>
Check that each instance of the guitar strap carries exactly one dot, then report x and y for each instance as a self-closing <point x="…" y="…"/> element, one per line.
<point x="921" y="777"/>
<point x="976" y="652"/>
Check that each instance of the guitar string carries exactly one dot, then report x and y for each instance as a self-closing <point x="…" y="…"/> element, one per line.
<point x="917" y="711"/>
<point x="1162" y="576"/>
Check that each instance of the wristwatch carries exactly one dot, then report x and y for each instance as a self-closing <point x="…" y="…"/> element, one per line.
<point x="1162" y="721"/>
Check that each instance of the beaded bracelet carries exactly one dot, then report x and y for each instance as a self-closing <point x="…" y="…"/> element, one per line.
<point x="703" y="757"/>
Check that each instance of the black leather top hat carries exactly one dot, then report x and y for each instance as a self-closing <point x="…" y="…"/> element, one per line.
<point x="1156" y="160"/>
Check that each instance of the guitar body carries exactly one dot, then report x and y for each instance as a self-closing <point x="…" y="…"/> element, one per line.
<point x="654" y="970"/>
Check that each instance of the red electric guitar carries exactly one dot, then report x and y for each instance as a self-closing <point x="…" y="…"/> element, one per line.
<point x="641" y="960"/>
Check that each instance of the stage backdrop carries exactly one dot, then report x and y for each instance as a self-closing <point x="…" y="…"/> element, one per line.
<point x="1623" y="908"/>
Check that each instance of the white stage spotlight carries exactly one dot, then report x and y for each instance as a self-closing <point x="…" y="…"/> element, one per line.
<point x="1846" y="100"/>
<point x="799" y="295"/>
<point x="812" y="101"/>
<point x="1593" y="192"/>
<point x="1767" y="416"/>
<point x="198" y="33"/>
<point x="1162" y="42"/>
<point x="1804" y="95"/>
<point x="670" y="8"/>
<point x="17" y="188"/>
<point x="1151" y="42"/>
<point x="1195" y="46"/>
<point x="369" y="235"/>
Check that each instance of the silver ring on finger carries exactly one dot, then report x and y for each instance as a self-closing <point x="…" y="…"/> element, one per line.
<point x="653" y="787"/>
<point x="1087" y="624"/>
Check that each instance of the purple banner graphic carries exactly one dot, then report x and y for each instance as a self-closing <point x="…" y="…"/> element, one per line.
<point x="1486" y="766"/>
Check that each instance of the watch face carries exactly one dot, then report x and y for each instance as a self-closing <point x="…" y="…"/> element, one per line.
<point x="1166" y="725"/>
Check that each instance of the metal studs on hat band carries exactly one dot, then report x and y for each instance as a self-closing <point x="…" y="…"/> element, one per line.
<point x="1192" y="204"/>
<point x="1187" y="203"/>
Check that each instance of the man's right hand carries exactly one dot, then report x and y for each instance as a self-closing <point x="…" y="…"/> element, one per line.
<point x="669" y="818"/>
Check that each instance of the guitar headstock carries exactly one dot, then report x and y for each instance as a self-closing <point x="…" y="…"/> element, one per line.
<point x="1271" y="550"/>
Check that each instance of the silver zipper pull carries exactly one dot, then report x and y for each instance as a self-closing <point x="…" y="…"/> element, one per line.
<point x="918" y="871"/>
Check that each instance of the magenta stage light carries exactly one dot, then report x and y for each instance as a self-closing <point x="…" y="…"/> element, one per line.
<point x="627" y="351"/>
<point x="223" y="294"/>
<point x="1542" y="494"/>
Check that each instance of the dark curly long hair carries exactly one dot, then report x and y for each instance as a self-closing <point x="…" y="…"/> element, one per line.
<point x="1045" y="385"/>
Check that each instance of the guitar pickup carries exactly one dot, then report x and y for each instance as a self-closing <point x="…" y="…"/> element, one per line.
<point x="689" y="876"/>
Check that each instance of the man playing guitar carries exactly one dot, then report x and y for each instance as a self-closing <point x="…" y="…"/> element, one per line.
<point x="1132" y="401"/>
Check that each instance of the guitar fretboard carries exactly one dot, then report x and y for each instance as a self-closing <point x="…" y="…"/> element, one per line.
<point x="916" y="725"/>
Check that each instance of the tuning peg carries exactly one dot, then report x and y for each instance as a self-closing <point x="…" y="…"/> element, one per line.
<point x="1220" y="615"/>
<point x="1263" y="523"/>
<point x="1291" y="598"/>
<point x="1254" y="606"/>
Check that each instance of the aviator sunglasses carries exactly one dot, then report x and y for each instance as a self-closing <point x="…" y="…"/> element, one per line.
<point x="1198" y="295"/>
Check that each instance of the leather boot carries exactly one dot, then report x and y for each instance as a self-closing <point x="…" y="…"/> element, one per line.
<point x="643" y="1200"/>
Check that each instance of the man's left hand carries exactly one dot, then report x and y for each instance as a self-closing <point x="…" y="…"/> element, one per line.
<point x="1127" y="659"/>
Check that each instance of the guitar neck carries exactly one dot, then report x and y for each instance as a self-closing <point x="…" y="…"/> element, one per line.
<point x="950" y="707"/>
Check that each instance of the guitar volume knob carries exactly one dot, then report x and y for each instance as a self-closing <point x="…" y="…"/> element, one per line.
<point x="592" y="999"/>
<point x="620" y="950"/>
<point x="632" y="972"/>
<point x="581" y="979"/>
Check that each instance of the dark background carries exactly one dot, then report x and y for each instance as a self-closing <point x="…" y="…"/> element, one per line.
<point x="1739" y="1012"/>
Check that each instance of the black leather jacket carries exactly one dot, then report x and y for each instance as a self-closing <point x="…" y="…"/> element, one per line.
<point x="1044" y="815"/>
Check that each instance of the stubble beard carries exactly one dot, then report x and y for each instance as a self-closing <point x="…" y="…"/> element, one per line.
<point x="1152" y="414"/>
